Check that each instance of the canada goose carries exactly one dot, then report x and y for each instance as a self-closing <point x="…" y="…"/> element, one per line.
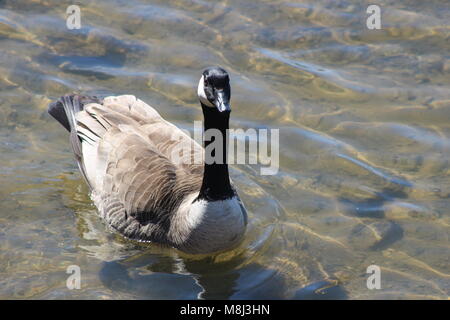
<point x="125" y="151"/>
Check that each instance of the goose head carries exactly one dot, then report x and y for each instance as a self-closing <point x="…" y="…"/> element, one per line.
<point x="214" y="89"/>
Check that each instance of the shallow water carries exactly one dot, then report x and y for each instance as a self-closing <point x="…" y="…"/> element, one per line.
<point x="364" y="119"/>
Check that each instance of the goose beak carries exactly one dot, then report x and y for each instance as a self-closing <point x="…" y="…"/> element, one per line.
<point x="222" y="102"/>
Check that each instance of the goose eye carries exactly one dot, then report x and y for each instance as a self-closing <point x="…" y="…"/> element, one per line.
<point x="205" y="82"/>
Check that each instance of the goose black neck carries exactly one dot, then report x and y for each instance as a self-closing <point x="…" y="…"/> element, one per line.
<point x="216" y="180"/>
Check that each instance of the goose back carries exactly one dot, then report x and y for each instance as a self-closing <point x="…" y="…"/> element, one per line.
<point x="128" y="157"/>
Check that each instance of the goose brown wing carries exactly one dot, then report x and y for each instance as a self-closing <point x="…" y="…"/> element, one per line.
<point x="138" y="177"/>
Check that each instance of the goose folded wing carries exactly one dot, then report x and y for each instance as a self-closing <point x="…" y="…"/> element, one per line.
<point x="129" y="159"/>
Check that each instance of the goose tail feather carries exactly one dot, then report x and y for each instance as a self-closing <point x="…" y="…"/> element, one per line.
<point x="64" y="110"/>
<point x="66" y="107"/>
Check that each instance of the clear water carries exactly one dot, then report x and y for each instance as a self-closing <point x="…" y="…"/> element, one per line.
<point x="364" y="119"/>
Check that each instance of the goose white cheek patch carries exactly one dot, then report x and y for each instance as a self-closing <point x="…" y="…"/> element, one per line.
<point x="201" y="93"/>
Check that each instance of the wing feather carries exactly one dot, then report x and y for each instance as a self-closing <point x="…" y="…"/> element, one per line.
<point x="137" y="179"/>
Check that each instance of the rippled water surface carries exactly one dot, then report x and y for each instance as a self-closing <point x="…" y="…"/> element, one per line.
<point x="364" y="119"/>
